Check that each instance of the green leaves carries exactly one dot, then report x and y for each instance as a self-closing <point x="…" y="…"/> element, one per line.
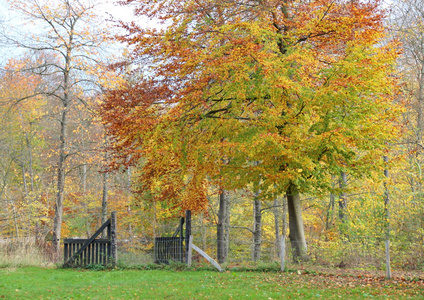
<point x="303" y="95"/>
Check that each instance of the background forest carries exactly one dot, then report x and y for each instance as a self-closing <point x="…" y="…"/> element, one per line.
<point x="78" y="140"/>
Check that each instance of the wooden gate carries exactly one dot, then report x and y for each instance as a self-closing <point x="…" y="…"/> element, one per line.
<point x="83" y="252"/>
<point x="172" y="248"/>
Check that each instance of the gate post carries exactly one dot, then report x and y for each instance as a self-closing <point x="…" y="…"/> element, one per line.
<point x="187" y="234"/>
<point x="113" y="238"/>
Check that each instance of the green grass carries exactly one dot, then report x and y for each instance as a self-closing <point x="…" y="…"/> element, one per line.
<point x="51" y="283"/>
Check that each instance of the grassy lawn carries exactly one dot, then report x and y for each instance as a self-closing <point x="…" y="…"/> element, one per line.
<point x="51" y="283"/>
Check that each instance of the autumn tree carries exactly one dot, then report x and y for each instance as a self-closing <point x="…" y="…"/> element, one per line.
<point x="70" y="37"/>
<point x="19" y="161"/>
<point x="272" y="95"/>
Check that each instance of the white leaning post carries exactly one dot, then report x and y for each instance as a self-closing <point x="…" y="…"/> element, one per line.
<point x="201" y="252"/>
<point x="283" y="252"/>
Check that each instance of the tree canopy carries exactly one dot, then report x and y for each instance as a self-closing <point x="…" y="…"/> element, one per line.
<point x="269" y="93"/>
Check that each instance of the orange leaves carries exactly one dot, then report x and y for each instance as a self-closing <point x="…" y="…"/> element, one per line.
<point x="271" y="92"/>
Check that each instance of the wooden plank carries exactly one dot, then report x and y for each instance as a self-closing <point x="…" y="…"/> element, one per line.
<point x="208" y="258"/>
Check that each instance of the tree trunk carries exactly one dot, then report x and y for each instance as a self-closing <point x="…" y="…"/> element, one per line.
<point x="387" y="218"/>
<point x="58" y="211"/>
<point x="104" y="212"/>
<point x="420" y="100"/>
<point x="257" y="228"/>
<point x="30" y="159"/>
<point x="222" y="230"/>
<point x="24" y="179"/>
<point x="276" y="211"/>
<point x="285" y="211"/>
<point x="343" y="196"/>
<point x="330" y="213"/>
<point x="84" y="178"/>
<point x="297" y="233"/>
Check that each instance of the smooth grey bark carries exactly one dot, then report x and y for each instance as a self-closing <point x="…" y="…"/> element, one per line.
<point x="105" y="189"/>
<point x="84" y="179"/>
<point x="285" y="212"/>
<point x="104" y="212"/>
<point x="257" y="227"/>
<point x="343" y="197"/>
<point x="66" y="100"/>
<point x="387" y="217"/>
<point x="222" y="228"/>
<point x="276" y="212"/>
<point x="297" y="232"/>
<point x="58" y="209"/>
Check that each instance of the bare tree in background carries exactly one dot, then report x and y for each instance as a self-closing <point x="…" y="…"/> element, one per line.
<point x="66" y="32"/>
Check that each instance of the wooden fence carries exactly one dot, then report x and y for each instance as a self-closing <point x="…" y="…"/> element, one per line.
<point x="172" y="248"/>
<point x="83" y="252"/>
<point x="168" y="249"/>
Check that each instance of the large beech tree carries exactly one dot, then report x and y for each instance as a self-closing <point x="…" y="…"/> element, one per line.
<point x="275" y="95"/>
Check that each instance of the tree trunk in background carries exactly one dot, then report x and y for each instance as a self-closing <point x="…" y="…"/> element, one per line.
<point x="276" y="211"/>
<point x="387" y="219"/>
<point x="30" y="159"/>
<point x="24" y="178"/>
<point x="285" y="211"/>
<point x="104" y="212"/>
<point x="257" y="227"/>
<point x="343" y="199"/>
<point x="227" y="224"/>
<point x="222" y="230"/>
<point x="297" y="233"/>
<point x="58" y="208"/>
<point x="330" y="212"/>
<point x="84" y="179"/>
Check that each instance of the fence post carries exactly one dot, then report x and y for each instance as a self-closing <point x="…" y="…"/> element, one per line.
<point x="190" y="251"/>
<point x="113" y="238"/>
<point x="187" y="233"/>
